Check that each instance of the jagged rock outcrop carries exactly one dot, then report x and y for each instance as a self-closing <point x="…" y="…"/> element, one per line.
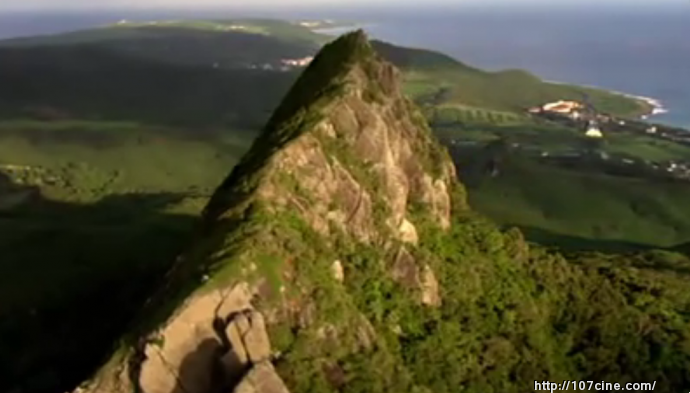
<point x="232" y="353"/>
<point x="346" y="162"/>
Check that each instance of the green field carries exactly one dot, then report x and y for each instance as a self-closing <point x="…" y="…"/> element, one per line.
<point x="559" y="206"/>
<point x="276" y="29"/>
<point x="647" y="148"/>
<point x="436" y="79"/>
<point x="74" y="160"/>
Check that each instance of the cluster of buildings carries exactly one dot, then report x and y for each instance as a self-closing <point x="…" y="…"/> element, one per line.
<point x="316" y="24"/>
<point x="575" y="111"/>
<point x="283" y="65"/>
<point x="571" y="112"/>
<point x="303" y="62"/>
<point x="673" y="168"/>
<point x="572" y="109"/>
<point x="568" y="108"/>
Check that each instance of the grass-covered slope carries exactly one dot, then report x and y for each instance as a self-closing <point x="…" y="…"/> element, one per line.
<point x="436" y="79"/>
<point x="42" y="83"/>
<point x="76" y="111"/>
<point x="432" y="77"/>
<point x="581" y="205"/>
<point x="230" y="28"/>
<point x="83" y="121"/>
<point x="507" y="313"/>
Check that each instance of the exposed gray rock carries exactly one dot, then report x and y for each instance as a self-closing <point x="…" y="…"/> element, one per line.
<point x="256" y="341"/>
<point x="338" y="271"/>
<point x="430" y="295"/>
<point x="262" y="378"/>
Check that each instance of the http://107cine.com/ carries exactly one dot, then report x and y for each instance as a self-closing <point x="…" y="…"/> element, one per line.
<point x="600" y="386"/>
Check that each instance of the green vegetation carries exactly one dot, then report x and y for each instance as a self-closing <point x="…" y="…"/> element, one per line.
<point x="552" y="138"/>
<point x="40" y="84"/>
<point x="511" y="313"/>
<point x="519" y="314"/>
<point x="436" y="79"/>
<point x="516" y="319"/>
<point x="94" y="136"/>
<point x="647" y="148"/>
<point x="131" y="30"/>
<point x="111" y="138"/>
<point x="318" y="86"/>
<point x="448" y="115"/>
<point x="238" y="219"/>
<point x="432" y="78"/>
<point x="575" y="204"/>
<point x="74" y="274"/>
<point x="106" y="160"/>
<point x="578" y="207"/>
<point x="84" y="161"/>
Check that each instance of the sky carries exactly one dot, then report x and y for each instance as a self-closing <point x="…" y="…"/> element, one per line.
<point x="153" y="4"/>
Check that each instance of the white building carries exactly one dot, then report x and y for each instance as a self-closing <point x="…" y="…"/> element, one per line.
<point x="593" y="132"/>
<point x="564" y="107"/>
<point x="303" y="62"/>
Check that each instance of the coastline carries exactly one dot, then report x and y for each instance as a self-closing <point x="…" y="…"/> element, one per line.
<point x="341" y="29"/>
<point x="651" y="106"/>
<point x="656" y="105"/>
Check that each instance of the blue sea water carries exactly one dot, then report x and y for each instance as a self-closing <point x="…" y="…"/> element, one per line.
<point x="644" y="51"/>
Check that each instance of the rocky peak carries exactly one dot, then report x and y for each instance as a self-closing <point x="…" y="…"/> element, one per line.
<point x="343" y="133"/>
<point x="345" y="170"/>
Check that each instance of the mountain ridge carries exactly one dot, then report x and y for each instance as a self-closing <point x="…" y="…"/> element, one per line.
<point x="263" y="200"/>
<point x="344" y="237"/>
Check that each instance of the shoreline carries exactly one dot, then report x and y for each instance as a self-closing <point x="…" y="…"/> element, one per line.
<point x="341" y="29"/>
<point x="656" y="104"/>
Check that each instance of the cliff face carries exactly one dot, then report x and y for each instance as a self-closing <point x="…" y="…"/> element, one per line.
<point x="346" y="165"/>
<point x="340" y="255"/>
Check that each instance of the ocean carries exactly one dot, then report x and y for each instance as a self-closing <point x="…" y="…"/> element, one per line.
<point x="644" y="52"/>
<point x="640" y="53"/>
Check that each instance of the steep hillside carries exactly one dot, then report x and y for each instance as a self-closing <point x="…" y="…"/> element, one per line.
<point x="578" y="203"/>
<point x="340" y="255"/>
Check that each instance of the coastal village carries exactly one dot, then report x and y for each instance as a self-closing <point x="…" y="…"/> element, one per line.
<point x="597" y="125"/>
<point x="284" y="64"/>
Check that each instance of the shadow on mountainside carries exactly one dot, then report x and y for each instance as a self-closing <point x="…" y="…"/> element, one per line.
<point x="73" y="276"/>
<point x="39" y="83"/>
<point x="571" y="243"/>
<point x="200" y="370"/>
